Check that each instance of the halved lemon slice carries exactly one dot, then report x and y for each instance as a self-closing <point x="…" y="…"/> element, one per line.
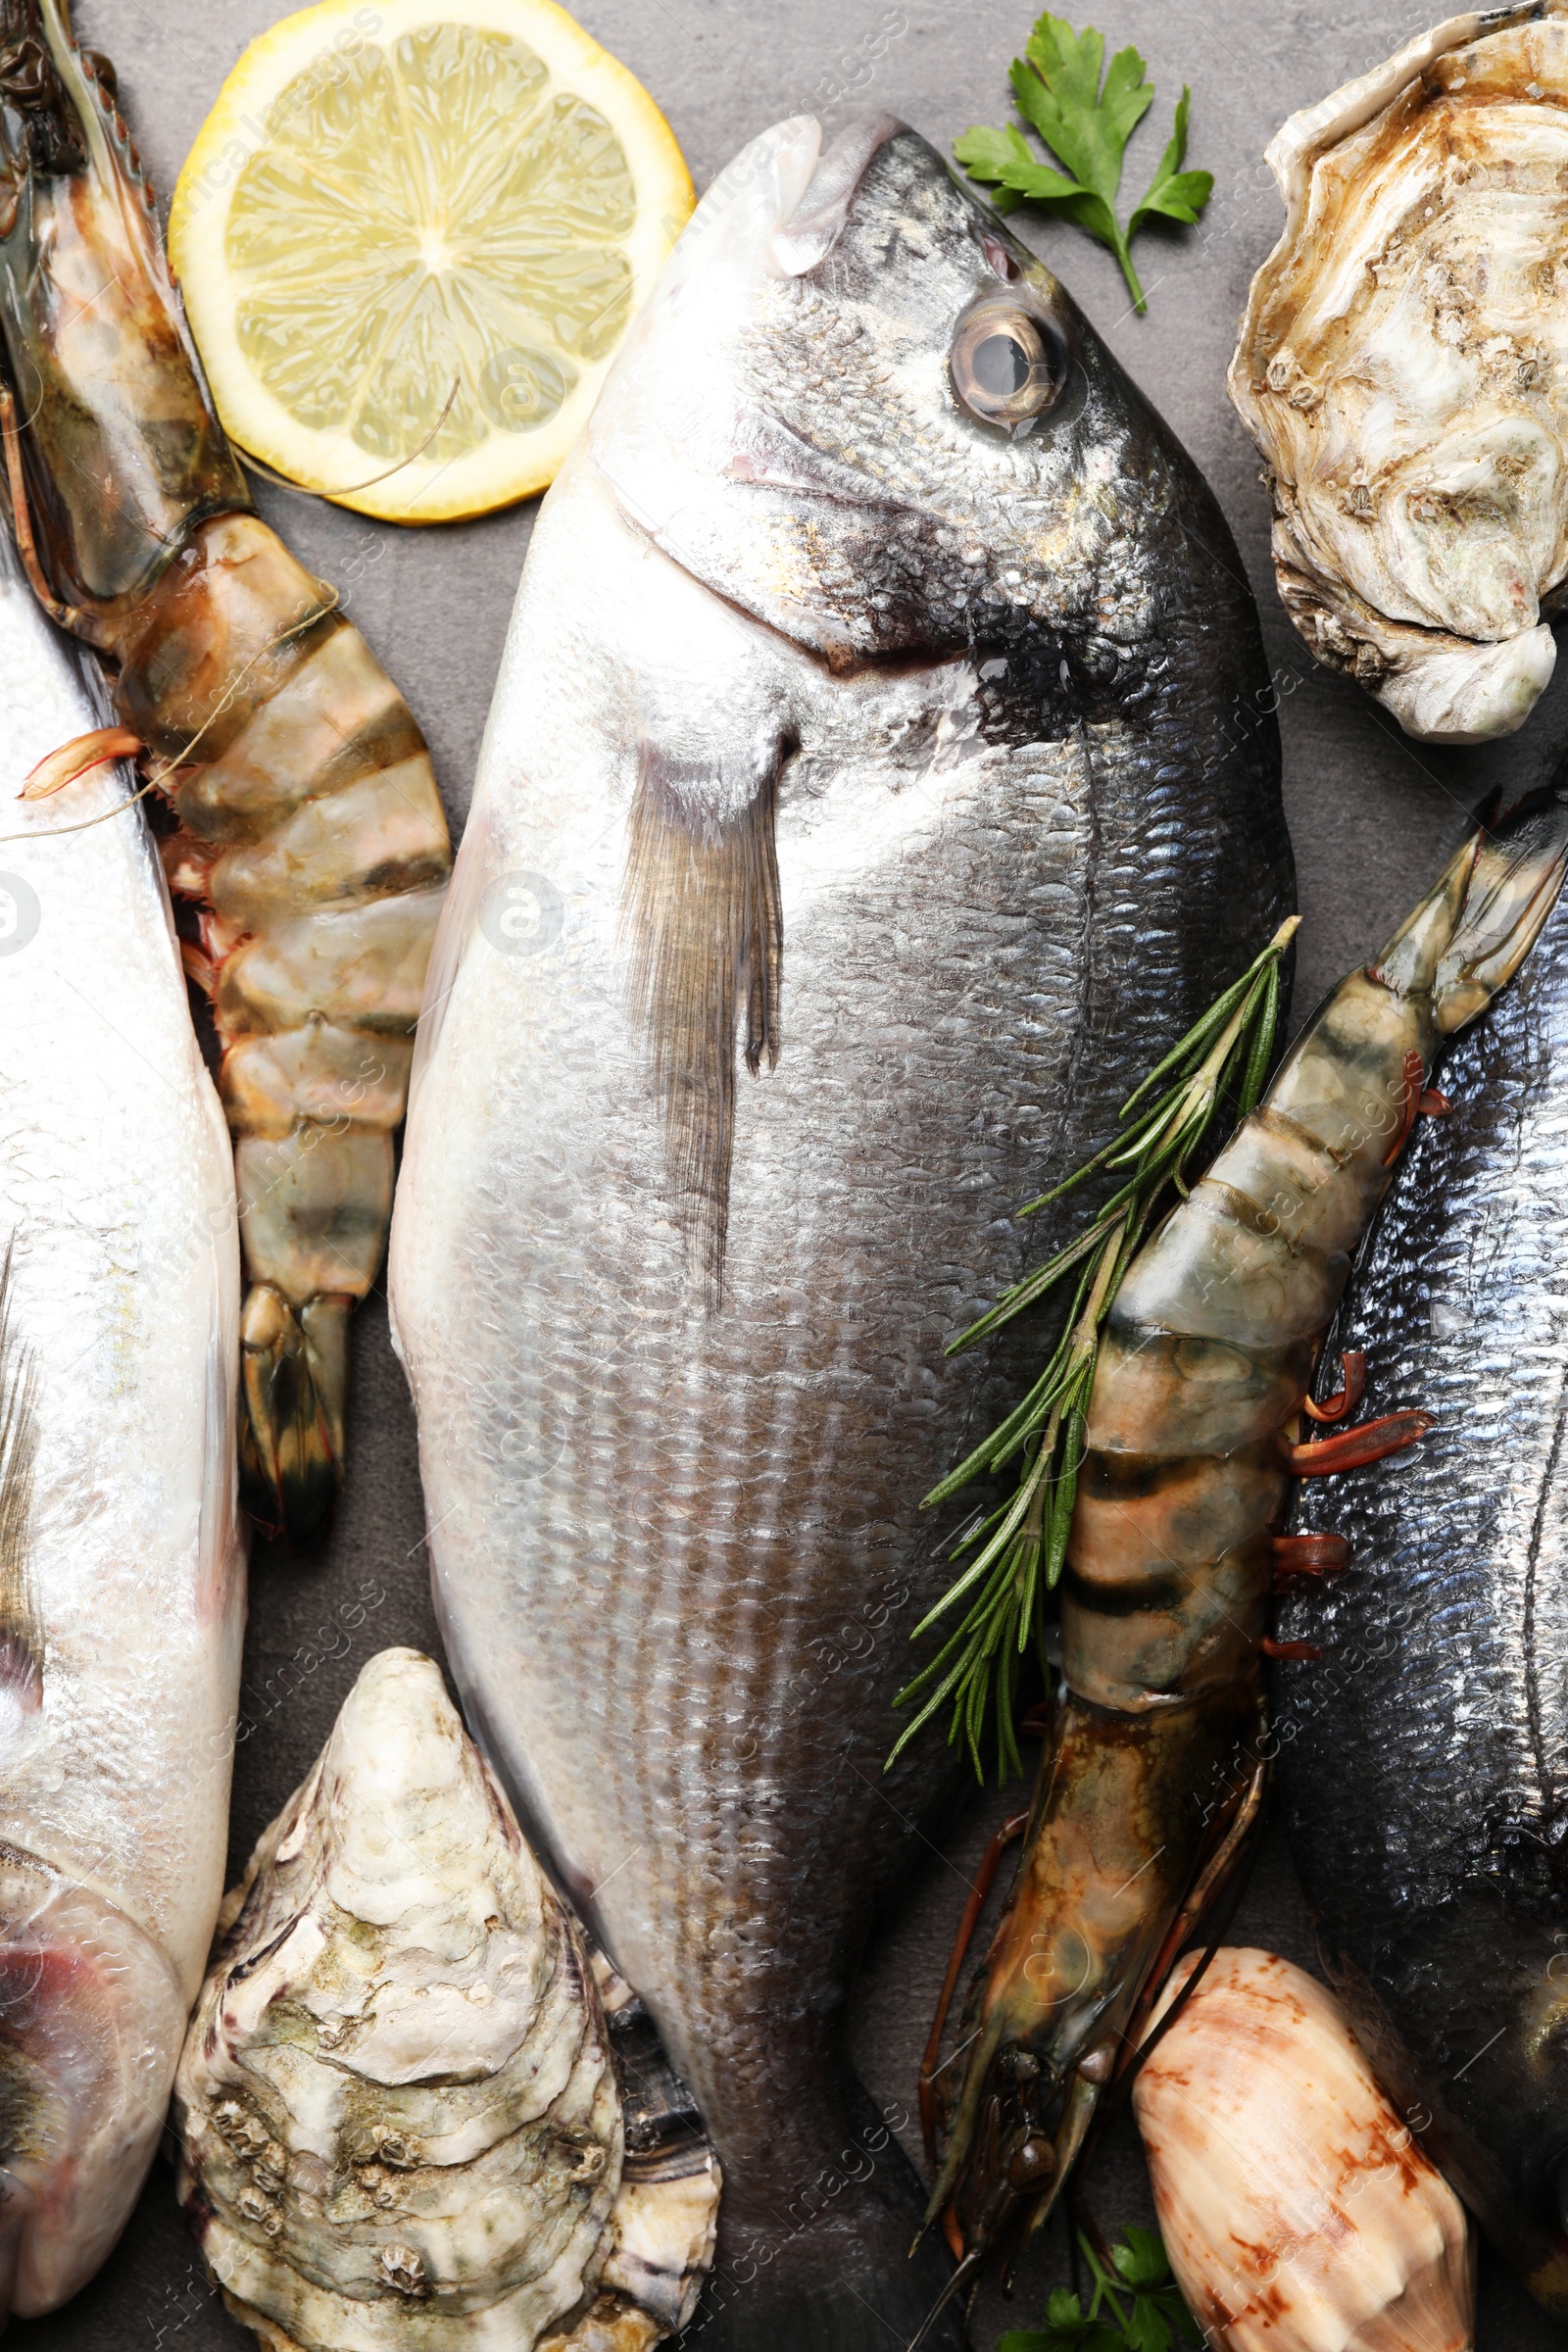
<point x="409" y="236"/>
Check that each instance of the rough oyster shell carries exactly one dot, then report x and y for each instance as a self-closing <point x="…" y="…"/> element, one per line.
<point x="399" y="2116"/>
<point x="1298" y="2213"/>
<point x="1403" y="368"/>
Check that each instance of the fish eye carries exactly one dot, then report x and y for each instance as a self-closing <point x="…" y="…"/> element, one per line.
<point x="1007" y="366"/>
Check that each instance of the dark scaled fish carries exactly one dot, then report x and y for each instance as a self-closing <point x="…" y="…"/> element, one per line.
<point x="869" y="717"/>
<point x="1424" y="1757"/>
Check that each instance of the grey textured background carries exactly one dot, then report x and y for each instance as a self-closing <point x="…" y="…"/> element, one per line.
<point x="1372" y="818"/>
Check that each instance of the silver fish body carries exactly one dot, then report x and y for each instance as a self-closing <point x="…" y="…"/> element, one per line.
<point x="896" y="753"/>
<point x="121" y="1579"/>
<point x="1424" y="1759"/>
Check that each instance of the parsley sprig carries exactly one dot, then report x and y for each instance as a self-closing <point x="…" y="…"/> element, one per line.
<point x="1156" y="2318"/>
<point x="1057" y="87"/>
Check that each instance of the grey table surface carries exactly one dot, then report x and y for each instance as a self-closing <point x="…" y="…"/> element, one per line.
<point x="1372" y="818"/>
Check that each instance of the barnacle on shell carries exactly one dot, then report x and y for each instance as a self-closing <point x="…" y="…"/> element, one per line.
<point x="1403" y="365"/>
<point x="400" y="2121"/>
<point x="1297" y="2208"/>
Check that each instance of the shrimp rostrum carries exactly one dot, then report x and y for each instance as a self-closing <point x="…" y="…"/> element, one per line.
<point x="1153" y="1763"/>
<point x="309" y="841"/>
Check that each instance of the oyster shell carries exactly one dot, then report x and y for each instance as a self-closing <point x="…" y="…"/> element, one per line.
<point x="1298" y="2211"/>
<point x="1403" y="365"/>
<point x="400" y="2123"/>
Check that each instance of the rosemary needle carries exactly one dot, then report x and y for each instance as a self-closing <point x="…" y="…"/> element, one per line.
<point x="1017" y="1552"/>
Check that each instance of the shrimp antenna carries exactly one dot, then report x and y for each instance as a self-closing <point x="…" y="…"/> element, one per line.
<point x="965" y="2272"/>
<point x="351" y="489"/>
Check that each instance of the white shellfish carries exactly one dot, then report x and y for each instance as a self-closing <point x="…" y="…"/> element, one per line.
<point x="1403" y="365"/>
<point x="1298" y="2212"/>
<point x="400" y="2121"/>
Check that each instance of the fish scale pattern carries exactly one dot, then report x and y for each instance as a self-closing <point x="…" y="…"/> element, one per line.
<point x="1424" y="1760"/>
<point x="678" y="1544"/>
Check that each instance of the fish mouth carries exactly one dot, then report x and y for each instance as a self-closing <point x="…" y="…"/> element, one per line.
<point x="804" y="241"/>
<point x="91" y="2019"/>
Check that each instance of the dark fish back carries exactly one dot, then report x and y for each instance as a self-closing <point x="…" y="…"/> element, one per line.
<point x="1425" y="1761"/>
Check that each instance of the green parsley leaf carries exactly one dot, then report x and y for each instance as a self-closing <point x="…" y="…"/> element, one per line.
<point x="1085" y="123"/>
<point x="1140" y="2261"/>
<point x="1179" y="195"/>
<point x="1148" y="2330"/>
<point x="1157" y="2321"/>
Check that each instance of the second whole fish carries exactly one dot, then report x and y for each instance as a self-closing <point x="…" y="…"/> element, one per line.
<point x="867" y="802"/>
<point x="1423" y="1754"/>
<point x="121" y="1578"/>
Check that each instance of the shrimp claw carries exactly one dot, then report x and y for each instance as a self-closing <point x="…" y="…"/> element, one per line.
<point x="973" y="1909"/>
<point x="76" y="759"/>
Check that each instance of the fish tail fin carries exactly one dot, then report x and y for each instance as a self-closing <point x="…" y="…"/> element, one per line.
<point x="92" y="2019"/>
<point x="833" y="2271"/>
<point x="1475" y="927"/>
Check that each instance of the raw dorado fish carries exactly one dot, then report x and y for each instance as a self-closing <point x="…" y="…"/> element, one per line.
<point x="870" y="713"/>
<point x="1424" y="1760"/>
<point x="122" y="1580"/>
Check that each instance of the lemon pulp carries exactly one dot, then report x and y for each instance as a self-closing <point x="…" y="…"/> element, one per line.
<point x="431" y="246"/>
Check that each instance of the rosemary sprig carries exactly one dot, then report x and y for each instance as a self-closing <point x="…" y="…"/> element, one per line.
<point x="1024" y="1542"/>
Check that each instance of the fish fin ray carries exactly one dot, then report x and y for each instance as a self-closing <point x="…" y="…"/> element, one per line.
<point x="702" y="926"/>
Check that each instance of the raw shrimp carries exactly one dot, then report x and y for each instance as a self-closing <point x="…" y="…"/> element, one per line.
<point x="1154" y="1759"/>
<point x="310" y="836"/>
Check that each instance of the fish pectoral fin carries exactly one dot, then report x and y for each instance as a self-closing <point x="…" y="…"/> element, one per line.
<point x="702" y="928"/>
